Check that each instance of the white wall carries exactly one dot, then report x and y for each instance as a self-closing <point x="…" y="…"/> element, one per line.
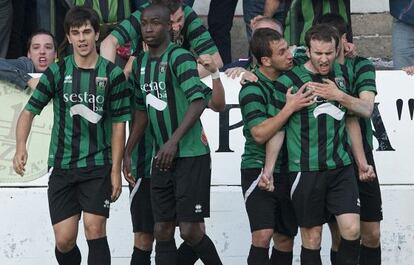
<point x="357" y="6"/>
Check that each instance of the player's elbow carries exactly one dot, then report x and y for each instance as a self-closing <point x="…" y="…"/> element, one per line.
<point x="258" y="137"/>
<point x="108" y="47"/>
<point x="217" y="106"/>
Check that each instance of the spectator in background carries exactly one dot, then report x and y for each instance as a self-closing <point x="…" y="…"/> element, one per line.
<point x="41" y="52"/>
<point x="402" y="32"/>
<point x="139" y="3"/>
<point x="302" y="14"/>
<point x="6" y="18"/>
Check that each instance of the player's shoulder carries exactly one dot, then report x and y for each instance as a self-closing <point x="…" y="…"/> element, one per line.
<point x="180" y="55"/>
<point x="111" y="69"/>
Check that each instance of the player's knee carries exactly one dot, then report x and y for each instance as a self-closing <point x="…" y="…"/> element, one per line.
<point x="94" y="230"/>
<point x="261" y="238"/>
<point x="143" y="240"/>
<point x="164" y="231"/>
<point x="351" y="231"/>
<point x="311" y="237"/>
<point x="65" y="244"/>
<point x="371" y="238"/>
<point x="283" y="243"/>
<point x="191" y="233"/>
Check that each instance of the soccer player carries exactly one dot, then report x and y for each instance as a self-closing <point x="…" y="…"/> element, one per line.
<point x="187" y="31"/>
<point x="362" y="104"/>
<point x="322" y="177"/>
<point x="269" y="210"/>
<point x="91" y="103"/>
<point x="170" y="95"/>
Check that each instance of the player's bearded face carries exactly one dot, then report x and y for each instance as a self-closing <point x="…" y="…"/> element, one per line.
<point x="322" y="55"/>
<point x="282" y="58"/>
<point x="177" y="24"/>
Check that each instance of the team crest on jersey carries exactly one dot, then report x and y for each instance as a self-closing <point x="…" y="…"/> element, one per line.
<point x="340" y="82"/>
<point x="68" y="79"/>
<point x="163" y="67"/>
<point x="101" y="82"/>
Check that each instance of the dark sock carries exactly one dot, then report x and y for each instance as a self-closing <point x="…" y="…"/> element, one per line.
<point x="141" y="257"/>
<point x="99" y="253"/>
<point x="370" y="256"/>
<point x="186" y="255"/>
<point x="281" y="257"/>
<point x="258" y="256"/>
<point x="310" y="256"/>
<point x="207" y="252"/>
<point x="72" y="257"/>
<point x="333" y="257"/>
<point x="348" y="252"/>
<point x="165" y="252"/>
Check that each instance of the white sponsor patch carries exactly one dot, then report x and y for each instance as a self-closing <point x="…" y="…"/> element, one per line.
<point x="85" y="112"/>
<point x="155" y="102"/>
<point x="329" y="109"/>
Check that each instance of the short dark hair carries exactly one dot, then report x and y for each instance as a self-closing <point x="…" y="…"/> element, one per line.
<point x="322" y="32"/>
<point x="334" y="20"/>
<point x="40" y="32"/>
<point x="173" y="5"/>
<point x="260" y="43"/>
<point x="165" y="12"/>
<point x="78" y="16"/>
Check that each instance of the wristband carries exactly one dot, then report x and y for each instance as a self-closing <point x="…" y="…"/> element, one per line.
<point x="215" y="75"/>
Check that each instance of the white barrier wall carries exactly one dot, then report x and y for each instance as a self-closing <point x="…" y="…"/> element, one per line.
<point x="25" y="232"/>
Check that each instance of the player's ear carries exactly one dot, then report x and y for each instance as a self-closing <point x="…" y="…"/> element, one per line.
<point x="307" y="52"/>
<point x="265" y="61"/>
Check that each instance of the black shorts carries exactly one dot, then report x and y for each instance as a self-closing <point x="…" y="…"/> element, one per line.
<point x="268" y="210"/>
<point x="182" y="193"/>
<point x="317" y="194"/>
<point x="140" y="206"/>
<point x="370" y="195"/>
<point x="71" y="191"/>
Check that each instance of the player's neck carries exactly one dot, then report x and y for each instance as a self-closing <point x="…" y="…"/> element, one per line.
<point x="341" y="57"/>
<point x="269" y="72"/>
<point x="87" y="62"/>
<point x="158" y="51"/>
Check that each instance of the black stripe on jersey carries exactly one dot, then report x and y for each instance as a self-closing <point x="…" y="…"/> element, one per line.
<point x="124" y="34"/>
<point x="363" y="125"/>
<point x="295" y="79"/>
<point x="121" y="111"/>
<point x="254" y="114"/>
<point x="336" y="143"/>
<point x="366" y="82"/>
<point x="36" y="103"/>
<point x="195" y="33"/>
<point x="171" y="100"/>
<point x="188" y="20"/>
<point x="141" y="157"/>
<point x="92" y="127"/>
<point x="76" y="120"/>
<point x="334" y="6"/>
<point x="252" y="98"/>
<point x="187" y="75"/>
<point x="123" y="94"/>
<point x="120" y="14"/>
<point x="364" y="69"/>
<point x="317" y="10"/>
<point x="103" y="4"/>
<point x="276" y="102"/>
<point x="135" y="24"/>
<point x="181" y="59"/>
<point x="190" y="92"/>
<point x="322" y="147"/>
<point x="51" y="79"/>
<point x="346" y="76"/>
<point x="304" y="143"/>
<point x="160" y="114"/>
<point x="204" y="46"/>
<point x="62" y="112"/>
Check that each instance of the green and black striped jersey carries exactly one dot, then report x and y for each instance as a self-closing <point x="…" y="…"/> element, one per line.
<point x="85" y="104"/>
<point x="194" y="35"/>
<point x="109" y="11"/>
<point x="142" y="156"/>
<point x="364" y="80"/>
<point x="316" y="136"/>
<point x="258" y="102"/>
<point x="304" y="13"/>
<point x="165" y="87"/>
